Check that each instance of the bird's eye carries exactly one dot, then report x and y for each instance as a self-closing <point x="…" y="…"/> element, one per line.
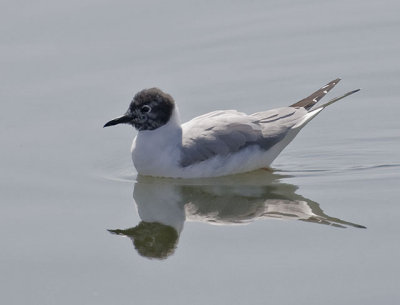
<point x="146" y="109"/>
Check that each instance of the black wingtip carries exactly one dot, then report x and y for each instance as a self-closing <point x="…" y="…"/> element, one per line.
<point x="351" y="92"/>
<point x="338" y="98"/>
<point x="315" y="97"/>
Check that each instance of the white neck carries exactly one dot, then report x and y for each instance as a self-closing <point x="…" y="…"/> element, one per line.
<point x="156" y="152"/>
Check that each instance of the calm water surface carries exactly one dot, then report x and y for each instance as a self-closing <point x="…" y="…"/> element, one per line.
<point x="79" y="226"/>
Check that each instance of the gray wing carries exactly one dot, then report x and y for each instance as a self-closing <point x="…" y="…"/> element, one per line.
<point x="220" y="133"/>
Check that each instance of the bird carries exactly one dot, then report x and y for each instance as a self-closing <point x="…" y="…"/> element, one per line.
<point x="218" y="143"/>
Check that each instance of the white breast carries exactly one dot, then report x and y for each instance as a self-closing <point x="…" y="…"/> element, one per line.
<point x="157" y="152"/>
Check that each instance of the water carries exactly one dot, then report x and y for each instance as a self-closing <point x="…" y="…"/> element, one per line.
<point x="292" y="236"/>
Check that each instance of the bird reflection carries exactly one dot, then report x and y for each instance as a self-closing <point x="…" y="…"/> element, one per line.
<point x="165" y="204"/>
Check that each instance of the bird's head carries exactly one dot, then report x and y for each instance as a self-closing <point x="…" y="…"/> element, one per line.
<point x="149" y="110"/>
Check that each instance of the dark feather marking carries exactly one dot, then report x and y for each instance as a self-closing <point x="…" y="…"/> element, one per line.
<point x="274" y="120"/>
<point x="161" y="103"/>
<point x="314" y="98"/>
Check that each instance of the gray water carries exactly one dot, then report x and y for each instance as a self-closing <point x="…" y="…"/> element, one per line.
<point x="321" y="228"/>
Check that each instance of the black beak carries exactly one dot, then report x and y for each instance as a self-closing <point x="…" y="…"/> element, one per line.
<point x="120" y="120"/>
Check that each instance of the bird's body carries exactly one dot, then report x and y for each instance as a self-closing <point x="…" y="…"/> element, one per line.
<point x="207" y="146"/>
<point x="215" y="144"/>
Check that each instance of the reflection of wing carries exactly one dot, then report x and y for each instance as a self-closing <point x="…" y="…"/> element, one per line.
<point x="243" y="204"/>
<point x="321" y="218"/>
<point x="224" y="132"/>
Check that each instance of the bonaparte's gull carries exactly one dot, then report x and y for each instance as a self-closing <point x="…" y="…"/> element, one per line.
<point x="218" y="143"/>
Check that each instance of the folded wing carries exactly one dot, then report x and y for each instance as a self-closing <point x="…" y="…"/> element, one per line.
<point x="221" y="133"/>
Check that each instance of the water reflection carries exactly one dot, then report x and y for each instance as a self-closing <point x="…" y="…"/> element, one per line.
<point x="165" y="204"/>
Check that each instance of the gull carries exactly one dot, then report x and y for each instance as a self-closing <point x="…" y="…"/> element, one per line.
<point x="219" y="143"/>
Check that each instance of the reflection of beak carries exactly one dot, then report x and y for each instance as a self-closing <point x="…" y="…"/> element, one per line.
<point x="120" y="120"/>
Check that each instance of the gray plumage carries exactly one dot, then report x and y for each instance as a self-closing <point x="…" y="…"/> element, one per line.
<point x="226" y="132"/>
